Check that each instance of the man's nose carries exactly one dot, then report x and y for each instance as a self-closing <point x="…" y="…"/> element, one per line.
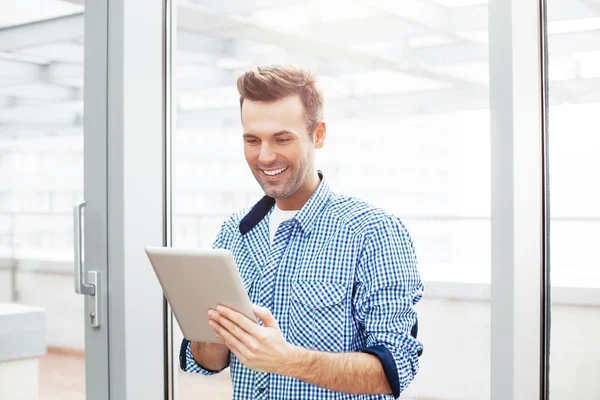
<point x="267" y="155"/>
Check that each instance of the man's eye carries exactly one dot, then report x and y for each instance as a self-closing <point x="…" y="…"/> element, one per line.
<point x="283" y="140"/>
<point x="251" y="141"/>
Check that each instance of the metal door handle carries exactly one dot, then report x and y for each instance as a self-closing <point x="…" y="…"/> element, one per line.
<point x="93" y="287"/>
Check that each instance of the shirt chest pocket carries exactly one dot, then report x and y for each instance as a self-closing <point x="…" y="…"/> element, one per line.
<point x="317" y="315"/>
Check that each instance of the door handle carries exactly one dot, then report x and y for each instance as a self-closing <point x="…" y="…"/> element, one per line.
<point x="92" y="288"/>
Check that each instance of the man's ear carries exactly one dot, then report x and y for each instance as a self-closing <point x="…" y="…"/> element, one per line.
<point x="320" y="134"/>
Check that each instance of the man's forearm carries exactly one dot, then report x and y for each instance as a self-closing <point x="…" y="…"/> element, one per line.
<point x="354" y="372"/>
<point x="210" y="356"/>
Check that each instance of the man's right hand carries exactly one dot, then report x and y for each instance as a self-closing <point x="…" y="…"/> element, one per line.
<point x="210" y="356"/>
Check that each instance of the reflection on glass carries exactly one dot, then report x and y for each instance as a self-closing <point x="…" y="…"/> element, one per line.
<point x="406" y="103"/>
<point x="574" y="73"/>
<point x="41" y="177"/>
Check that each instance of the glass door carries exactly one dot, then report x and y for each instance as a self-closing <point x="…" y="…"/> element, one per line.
<point x="51" y="159"/>
<point x="573" y="37"/>
<point x="406" y="87"/>
<point x="433" y="112"/>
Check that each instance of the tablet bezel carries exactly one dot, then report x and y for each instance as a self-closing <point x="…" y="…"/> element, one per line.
<point x="195" y="280"/>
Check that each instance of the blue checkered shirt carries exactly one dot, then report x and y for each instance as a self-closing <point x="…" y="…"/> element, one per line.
<point x="341" y="276"/>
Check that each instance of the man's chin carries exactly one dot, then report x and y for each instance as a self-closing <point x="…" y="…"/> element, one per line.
<point x="276" y="194"/>
<point x="277" y="191"/>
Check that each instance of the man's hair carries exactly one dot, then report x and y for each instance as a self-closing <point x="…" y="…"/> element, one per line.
<point x="274" y="82"/>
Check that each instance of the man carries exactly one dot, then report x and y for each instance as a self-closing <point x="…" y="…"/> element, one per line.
<point x="333" y="280"/>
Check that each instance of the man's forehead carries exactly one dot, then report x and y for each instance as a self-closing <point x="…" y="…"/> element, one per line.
<point x="272" y="116"/>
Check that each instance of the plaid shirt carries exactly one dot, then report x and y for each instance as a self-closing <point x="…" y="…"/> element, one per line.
<point x="340" y="276"/>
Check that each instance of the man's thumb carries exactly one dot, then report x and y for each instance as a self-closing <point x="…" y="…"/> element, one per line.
<point x="265" y="315"/>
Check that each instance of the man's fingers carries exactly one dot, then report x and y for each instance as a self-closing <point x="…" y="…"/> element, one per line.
<point x="239" y="333"/>
<point x="230" y="341"/>
<point x="240" y="319"/>
<point x="265" y="315"/>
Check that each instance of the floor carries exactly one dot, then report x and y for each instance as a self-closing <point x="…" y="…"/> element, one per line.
<point x="62" y="377"/>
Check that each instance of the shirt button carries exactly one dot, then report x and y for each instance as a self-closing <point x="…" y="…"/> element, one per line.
<point x="261" y="390"/>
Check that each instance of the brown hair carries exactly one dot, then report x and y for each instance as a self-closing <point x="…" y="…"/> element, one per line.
<point x="274" y="82"/>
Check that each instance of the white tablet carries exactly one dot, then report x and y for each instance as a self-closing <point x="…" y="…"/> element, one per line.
<point x="195" y="280"/>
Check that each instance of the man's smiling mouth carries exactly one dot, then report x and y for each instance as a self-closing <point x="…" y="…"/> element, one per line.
<point x="274" y="171"/>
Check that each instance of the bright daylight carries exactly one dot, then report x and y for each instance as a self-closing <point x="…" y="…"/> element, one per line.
<point x="409" y="128"/>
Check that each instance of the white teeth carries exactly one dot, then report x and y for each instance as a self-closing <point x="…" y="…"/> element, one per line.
<point x="275" y="172"/>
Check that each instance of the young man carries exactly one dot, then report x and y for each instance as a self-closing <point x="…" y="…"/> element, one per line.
<point x="333" y="279"/>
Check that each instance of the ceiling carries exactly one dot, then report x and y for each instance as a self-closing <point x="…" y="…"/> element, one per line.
<point x="375" y="58"/>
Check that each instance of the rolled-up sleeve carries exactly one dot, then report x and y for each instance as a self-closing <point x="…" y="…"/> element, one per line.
<point x="388" y="287"/>
<point x="189" y="364"/>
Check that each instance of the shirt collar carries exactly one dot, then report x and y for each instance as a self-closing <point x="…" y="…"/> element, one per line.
<point x="305" y="217"/>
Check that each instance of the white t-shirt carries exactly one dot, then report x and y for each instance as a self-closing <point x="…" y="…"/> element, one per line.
<point x="277" y="217"/>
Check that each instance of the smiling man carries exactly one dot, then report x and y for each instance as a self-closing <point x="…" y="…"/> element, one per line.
<point x="333" y="279"/>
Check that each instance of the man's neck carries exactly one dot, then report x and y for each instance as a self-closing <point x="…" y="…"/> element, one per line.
<point x="299" y="199"/>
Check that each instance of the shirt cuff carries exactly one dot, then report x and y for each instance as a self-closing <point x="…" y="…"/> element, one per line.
<point x="189" y="364"/>
<point x="389" y="365"/>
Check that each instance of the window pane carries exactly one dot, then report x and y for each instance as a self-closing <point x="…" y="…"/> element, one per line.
<point x="406" y="105"/>
<point x="574" y="72"/>
<point x="41" y="178"/>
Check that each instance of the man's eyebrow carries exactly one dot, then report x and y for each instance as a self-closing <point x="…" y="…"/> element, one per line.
<point x="276" y="134"/>
<point x="284" y="132"/>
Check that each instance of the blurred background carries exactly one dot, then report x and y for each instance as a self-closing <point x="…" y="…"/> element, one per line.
<point x="407" y="107"/>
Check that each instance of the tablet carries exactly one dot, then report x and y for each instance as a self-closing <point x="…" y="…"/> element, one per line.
<point x="195" y="280"/>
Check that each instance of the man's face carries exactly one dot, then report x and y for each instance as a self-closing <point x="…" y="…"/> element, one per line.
<point x="277" y="146"/>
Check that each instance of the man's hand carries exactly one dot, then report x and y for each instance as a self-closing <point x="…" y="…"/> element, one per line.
<point x="264" y="349"/>
<point x="261" y="348"/>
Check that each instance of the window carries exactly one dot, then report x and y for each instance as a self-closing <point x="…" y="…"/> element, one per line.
<point x="406" y="105"/>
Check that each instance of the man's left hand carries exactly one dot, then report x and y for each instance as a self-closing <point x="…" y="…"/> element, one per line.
<point x="261" y="348"/>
